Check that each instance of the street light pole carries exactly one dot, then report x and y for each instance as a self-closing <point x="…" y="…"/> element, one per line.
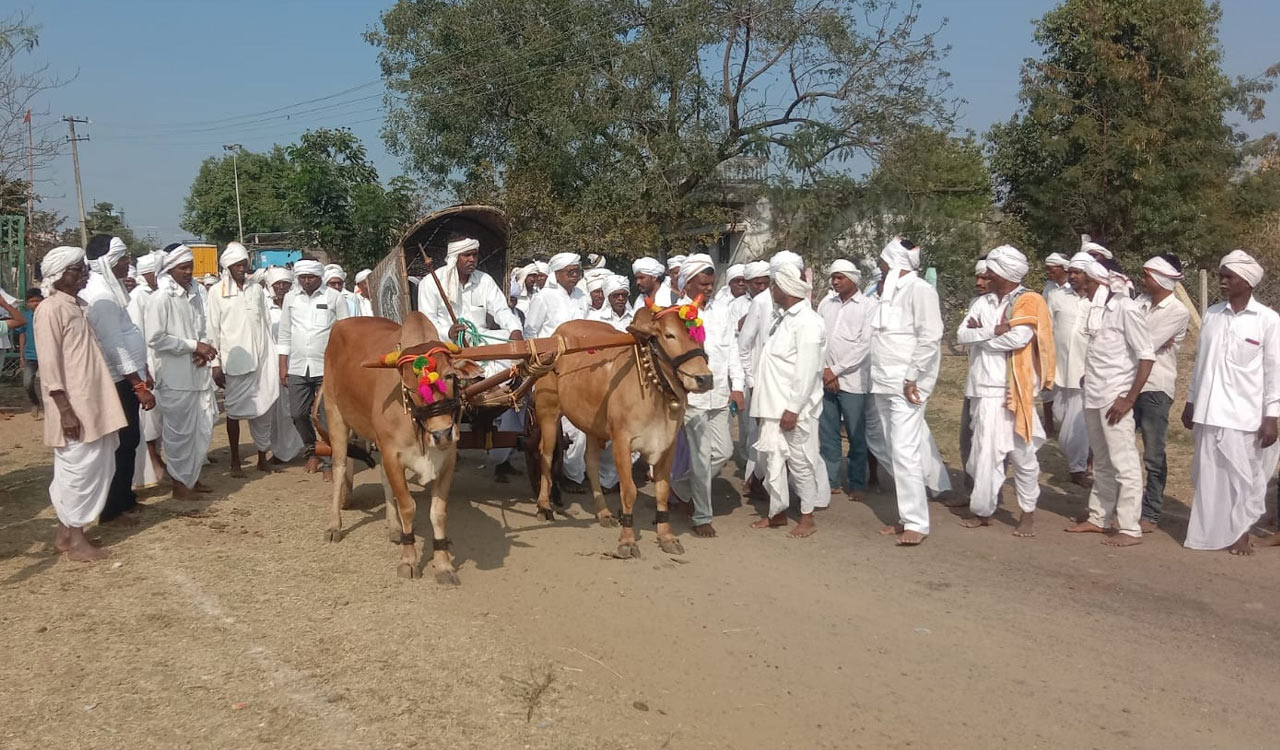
<point x="234" y="148"/>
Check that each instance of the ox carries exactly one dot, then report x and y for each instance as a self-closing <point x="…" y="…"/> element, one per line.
<point x="634" y="397"/>
<point x="379" y="399"/>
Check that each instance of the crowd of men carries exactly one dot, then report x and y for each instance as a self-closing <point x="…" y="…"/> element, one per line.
<point x="130" y="360"/>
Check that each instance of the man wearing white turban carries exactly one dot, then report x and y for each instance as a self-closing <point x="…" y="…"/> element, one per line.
<point x="617" y="308"/>
<point x="1232" y="409"/>
<point x="1167" y="320"/>
<point x="364" y="298"/>
<point x="76" y="385"/>
<point x="1118" y="362"/>
<point x="844" y="378"/>
<point x="286" y="443"/>
<point x="148" y="469"/>
<point x="177" y="330"/>
<point x="734" y="285"/>
<point x="1070" y="308"/>
<point x="335" y="278"/>
<point x="556" y="303"/>
<point x="125" y="352"/>
<point x="753" y="330"/>
<point x="240" y="329"/>
<point x="595" y="292"/>
<point x="474" y="297"/>
<point x="307" y="315"/>
<point x="996" y="342"/>
<point x="648" y="273"/>
<point x="669" y="293"/>
<point x="905" y="354"/>
<point x="1055" y="271"/>
<point x="981" y="314"/>
<point x="787" y="401"/>
<point x="532" y="278"/>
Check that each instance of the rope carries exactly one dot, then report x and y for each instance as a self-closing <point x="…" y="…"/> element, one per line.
<point x="472" y="333"/>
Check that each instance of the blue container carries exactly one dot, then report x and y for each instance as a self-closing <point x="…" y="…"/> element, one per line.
<point x="275" y="256"/>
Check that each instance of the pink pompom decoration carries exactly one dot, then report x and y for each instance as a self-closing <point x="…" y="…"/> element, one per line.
<point x="425" y="392"/>
<point x="439" y="386"/>
<point x="698" y="334"/>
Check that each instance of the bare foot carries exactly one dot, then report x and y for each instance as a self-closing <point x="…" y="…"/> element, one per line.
<point x="327" y="475"/>
<point x="266" y="468"/>
<point x="202" y="487"/>
<point x="954" y="500"/>
<point x="857" y="496"/>
<point x="1270" y="541"/>
<point x="1124" y="540"/>
<point x="62" y="538"/>
<point x="893" y="530"/>
<point x="236" y="472"/>
<point x="1081" y="478"/>
<point x="1148" y="526"/>
<point x="124" y="519"/>
<point x="1084" y="527"/>
<point x="910" y="539"/>
<point x="180" y="492"/>
<point x="313" y="465"/>
<point x="80" y="549"/>
<point x="805" y="528"/>
<point x="705" y="530"/>
<point x="1026" y="525"/>
<point x="1243" y="546"/>
<point x="771" y="523"/>
<point x="974" y="522"/>
<point x="277" y="462"/>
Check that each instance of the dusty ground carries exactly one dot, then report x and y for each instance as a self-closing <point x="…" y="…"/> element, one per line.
<point x="230" y="623"/>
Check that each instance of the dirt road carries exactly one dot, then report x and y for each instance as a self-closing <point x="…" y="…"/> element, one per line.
<point x="231" y="623"/>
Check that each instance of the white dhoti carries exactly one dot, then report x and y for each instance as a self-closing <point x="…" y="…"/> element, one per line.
<point x="188" y="430"/>
<point x="574" y="465"/>
<point x="1073" y="436"/>
<point x="794" y="453"/>
<point x="149" y="422"/>
<point x="936" y="478"/>
<point x="993" y="442"/>
<point x="252" y="397"/>
<point x="754" y="467"/>
<point x="905" y="429"/>
<point x="145" y="472"/>
<point x="286" y="443"/>
<point x="81" y="478"/>
<point x="1117" y="473"/>
<point x="1230" y="473"/>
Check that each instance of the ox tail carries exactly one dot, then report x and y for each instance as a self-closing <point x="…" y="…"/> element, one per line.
<point x="355" y="448"/>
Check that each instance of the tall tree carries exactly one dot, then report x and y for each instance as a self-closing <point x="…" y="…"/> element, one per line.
<point x="102" y="218"/>
<point x="210" y="209"/>
<point x="22" y="87"/>
<point x="608" y="122"/>
<point x="1123" y="132"/>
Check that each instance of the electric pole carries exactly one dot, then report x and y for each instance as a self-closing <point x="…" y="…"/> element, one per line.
<point x="235" y="148"/>
<point x="75" y="161"/>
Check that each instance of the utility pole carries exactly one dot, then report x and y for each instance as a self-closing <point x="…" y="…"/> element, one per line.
<point x="235" y="148"/>
<point x="75" y="161"/>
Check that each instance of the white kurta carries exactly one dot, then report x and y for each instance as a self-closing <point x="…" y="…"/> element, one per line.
<point x="145" y="471"/>
<point x="552" y="307"/>
<point x="1070" y="311"/>
<point x="240" y="329"/>
<point x="184" y="392"/>
<point x="286" y="443"/>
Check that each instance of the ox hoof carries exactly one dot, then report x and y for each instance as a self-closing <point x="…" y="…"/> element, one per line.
<point x="608" y="522"/>
<point x="547" y="514"/>
<point x="671" y="546"/>
<point x="627" y="550"/>
<point x="447" y="578"/>
<point x="405" y="570"/>
<point x="333" y="535"/>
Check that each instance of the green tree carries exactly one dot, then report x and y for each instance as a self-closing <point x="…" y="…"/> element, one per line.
<point x="210" y="209"/>
<point x="607" y="123"/>
<point x="1123" y="132"/>
<point x="103" y="219"/>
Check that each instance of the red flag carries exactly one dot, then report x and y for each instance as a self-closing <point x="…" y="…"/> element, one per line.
<point x="27" y="119"/>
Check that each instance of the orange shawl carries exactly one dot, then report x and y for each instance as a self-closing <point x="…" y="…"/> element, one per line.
<point x="1036" y="358"/>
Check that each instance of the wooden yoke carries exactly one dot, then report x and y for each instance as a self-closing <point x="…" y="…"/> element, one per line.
<point x="551" y="345"/>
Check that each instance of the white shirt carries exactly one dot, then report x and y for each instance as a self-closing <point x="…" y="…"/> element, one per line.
<point x="119" y="338"/>
<point x="1111" y="362"/>
<point x="791" y="365"/>
<point x="1236" y="381"/>
<point x="738" y="307"/>
<point x="1070" y="312"/>
<point x="906" y="338"/>
<point x="175" y="323"/>
<point x="239" y="326"/>
<point x="721" y="347"/>
<point x="606" y="315"/>
<point x="665" y="296"/>
<point x="481" y="299"/>
<point x="752" y="334"/>
<point x="848" y="340"/>
<point x="366" y="306"/>
<point x="304" y="328"/>
<point x="989" y="353"/>
<point x="551" y="307"/>
<point x="1166" y="327"/>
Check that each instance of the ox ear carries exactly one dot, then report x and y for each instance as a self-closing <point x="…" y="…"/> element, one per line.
<point x="467" y="369"/>
<point x="643" y="325"/>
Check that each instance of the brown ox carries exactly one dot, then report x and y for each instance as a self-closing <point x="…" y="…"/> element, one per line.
<point x="382" y="403"/>
<point x="634" y="397"/>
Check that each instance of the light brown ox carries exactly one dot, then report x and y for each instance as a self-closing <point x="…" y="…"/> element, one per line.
<point x="611" y="397"/>
<point x="381" y="403"/>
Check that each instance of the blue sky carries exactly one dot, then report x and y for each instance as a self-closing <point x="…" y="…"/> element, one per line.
<point x="163" y="82"/>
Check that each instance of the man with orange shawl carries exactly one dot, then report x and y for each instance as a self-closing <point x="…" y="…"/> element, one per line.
<point x="1013" y="362"/>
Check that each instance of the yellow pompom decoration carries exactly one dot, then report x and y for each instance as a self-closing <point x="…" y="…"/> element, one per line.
<point x="684" y="311"/>
<point x="433" y="377"/>
<point x="656" y="308"/>
<point x="697" y="321"/>
<point x="391" y="359"/>
<point x="452" y="347"/>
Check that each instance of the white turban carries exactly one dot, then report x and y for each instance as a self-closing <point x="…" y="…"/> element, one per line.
<point x="276" y="274"/>
<point x="1089" y="246"/>
<point x="734" y="272"/>
<point x="104" y="264"/>
<point x="55" y="262"/>
<point x="789" y="280"/>
<point x="364" y="274"/>
<point x="1083" y="261"/>
<point x="116" y="250"/>
<point x="694" y="265"/>
<point x="592" y="274"/>
<point x="458" y="247"/>
<point x="1008" y="263"/>
<point x="542" y="267"/>
<point x="898" y="258"/>
<point x="1057" y="259"/>
<point x="172" y="259"/>
<point x="785" y="257"/>
<point x="448" y="274"/>
<point x="674" y="262"/>
<point x="233" y="254"/>
<point x="595" y="260"/>
<point x="147" y="264"/>
<point x="648" y="267"/>
<point x="1243" y="265"/>
<point x="559" y="262"/>
<point x="333" y="271"/>
<point x="756" y="269"/>
<point x="133" y="272"/>
<point x="596" y="282"/>
<point x="1163" y="272"/>
<point x="616" y="283"/>
<point x="980" y="267"/>
<point x="308" y="268"/>
<point x="846" y="269"/>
